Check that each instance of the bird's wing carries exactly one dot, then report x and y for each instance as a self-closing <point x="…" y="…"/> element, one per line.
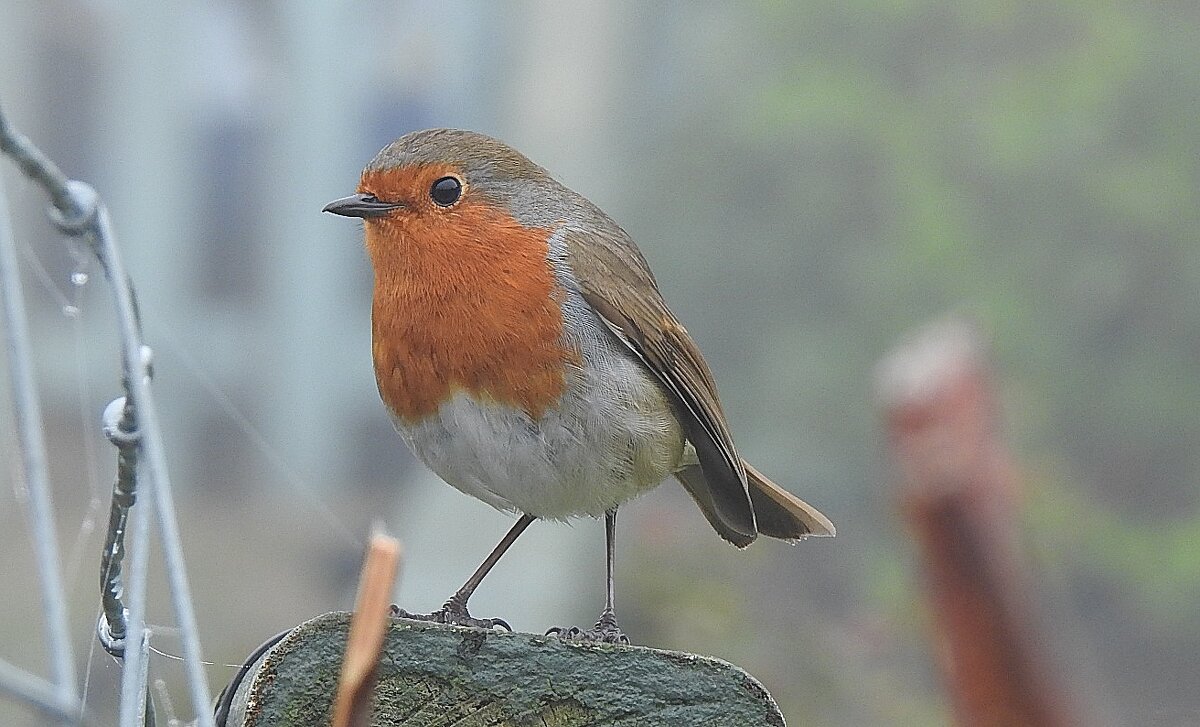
<point x="615" y="280"/>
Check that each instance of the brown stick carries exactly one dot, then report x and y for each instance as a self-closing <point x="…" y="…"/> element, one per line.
<point x="957" y="494"/>
<point x="372" y="611"/>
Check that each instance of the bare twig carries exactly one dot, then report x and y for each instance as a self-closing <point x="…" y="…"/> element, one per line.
<point x="352" y="704"/>
<point x="33" y="459"/>
<point x="78" y="211"/>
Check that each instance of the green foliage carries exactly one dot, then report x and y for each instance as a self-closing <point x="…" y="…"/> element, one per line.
<point x="1032" y="165"/>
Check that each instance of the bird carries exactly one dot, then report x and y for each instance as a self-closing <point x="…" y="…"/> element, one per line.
<point x="525" y="354"/>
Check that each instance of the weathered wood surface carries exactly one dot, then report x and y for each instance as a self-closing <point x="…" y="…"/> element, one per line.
<point x="432" y="674"/>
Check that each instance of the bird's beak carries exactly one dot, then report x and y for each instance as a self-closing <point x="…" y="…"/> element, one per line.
<point x="360" y="205"/>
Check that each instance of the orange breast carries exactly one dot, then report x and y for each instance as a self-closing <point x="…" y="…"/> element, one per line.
<point x="465" y="300"/>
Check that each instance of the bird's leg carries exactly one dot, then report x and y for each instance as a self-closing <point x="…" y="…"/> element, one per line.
<point x="455" y="609"/>
<point x="606" y="629"/>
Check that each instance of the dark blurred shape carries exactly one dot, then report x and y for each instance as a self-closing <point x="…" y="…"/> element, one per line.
<point x="957" y="488"/>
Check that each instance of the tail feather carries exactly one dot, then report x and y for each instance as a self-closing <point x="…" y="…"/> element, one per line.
<point x="693" y="480"/>
<point x="780" y="514"/>
<point x="777" y="512"/>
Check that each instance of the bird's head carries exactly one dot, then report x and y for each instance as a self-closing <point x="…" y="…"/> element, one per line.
<point x="439" y="180"/>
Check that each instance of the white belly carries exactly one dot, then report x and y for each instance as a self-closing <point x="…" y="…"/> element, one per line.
<point x="611" y="436"/>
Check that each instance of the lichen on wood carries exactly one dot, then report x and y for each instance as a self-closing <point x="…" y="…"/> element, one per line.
<point x="433" y="674"/>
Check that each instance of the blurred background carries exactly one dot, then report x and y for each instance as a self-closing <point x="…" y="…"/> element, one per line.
<point x="810" y="181"/>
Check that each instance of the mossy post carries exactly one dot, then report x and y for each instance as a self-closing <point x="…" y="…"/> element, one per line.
<point x="432" y="674"/>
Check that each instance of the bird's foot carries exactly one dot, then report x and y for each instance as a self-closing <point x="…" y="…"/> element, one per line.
<point x="454" y="612"/>
<point x="605" y="631"/>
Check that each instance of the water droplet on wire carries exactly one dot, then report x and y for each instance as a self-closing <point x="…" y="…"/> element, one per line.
<point x="70" y="311"/>
<point x="79" y="278"/>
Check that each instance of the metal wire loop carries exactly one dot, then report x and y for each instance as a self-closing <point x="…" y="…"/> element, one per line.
<point x="115" y="425"/>
<point x="82" y="218"/>
<point x="112" y="644"/>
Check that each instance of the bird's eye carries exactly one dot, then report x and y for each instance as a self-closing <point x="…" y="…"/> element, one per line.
<point x="446" y="191"/>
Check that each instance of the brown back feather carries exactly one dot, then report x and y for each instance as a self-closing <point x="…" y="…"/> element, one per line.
<point x="615" y="280"/>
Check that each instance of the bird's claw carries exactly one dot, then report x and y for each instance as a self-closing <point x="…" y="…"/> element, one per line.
<point x="606" y="631"/>
<point x="454" y="612"/>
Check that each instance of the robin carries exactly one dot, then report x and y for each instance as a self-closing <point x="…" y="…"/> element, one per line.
<point x="527" y="357"/>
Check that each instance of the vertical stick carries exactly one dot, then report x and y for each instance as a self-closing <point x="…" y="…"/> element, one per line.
<point x="957" y="489"/>
<point x="352" y="704"/>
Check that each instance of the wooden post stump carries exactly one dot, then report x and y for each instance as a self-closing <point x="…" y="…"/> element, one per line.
<point x="433" y="674"/>
<point x="958" y="489"/>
